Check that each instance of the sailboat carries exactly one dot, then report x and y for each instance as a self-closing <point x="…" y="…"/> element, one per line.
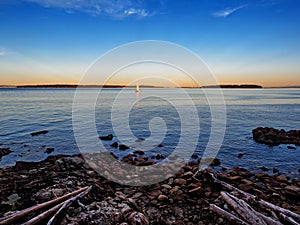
<point x="137" y="89"/>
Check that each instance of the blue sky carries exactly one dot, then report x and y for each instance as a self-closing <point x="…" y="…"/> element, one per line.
<point x="242" y="41"/>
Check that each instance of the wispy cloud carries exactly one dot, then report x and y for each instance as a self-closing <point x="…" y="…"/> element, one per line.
<point x="4" y="52"/>
<point x="113" y="8"/>
<point x="269" y="2"/>
<point x="228" y="11"/>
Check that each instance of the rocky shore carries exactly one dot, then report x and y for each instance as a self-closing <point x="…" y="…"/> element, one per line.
<point x="184" y="198"/>
<point x="271" y="136"/>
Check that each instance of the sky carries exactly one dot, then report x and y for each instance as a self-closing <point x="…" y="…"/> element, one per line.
<point x="241" y="41"/>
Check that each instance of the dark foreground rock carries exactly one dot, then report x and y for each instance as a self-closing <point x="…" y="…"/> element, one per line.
<point x="272" y="137"/>
<point x="183" y="198"/>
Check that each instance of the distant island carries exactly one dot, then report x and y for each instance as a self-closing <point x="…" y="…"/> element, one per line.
<point x="233" y="86"/>
<point x="122" y="86"/>
<point x="244" y="86"/>
<point x="79" y="86"/>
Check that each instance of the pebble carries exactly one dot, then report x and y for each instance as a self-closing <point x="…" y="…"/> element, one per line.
<point x="162" y="198"/>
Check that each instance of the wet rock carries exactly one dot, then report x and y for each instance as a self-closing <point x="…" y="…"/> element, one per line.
<point x="4" y="151"/>
<point x="261" y="175"/>
<point x="123" y="147"/>
<point x="140" y="140"/>
<point x="194" y="156"/>
<point x="263" y="168"/>
<point x="160" y="145"/>
<point x="49" y="150"/>
<point x="139" y="152"/>
<point x="128" y="158"/>
<point x="275" y="170"/>
<point x="240" y="155"/>
<point x="216" y="162"/>
<point x="114" y="145"/>
<point x="106" y="138"/>
<point x="291" y="147"/>
<point x="39" y="132"/>
<point x="272" y="137"/>
<point x="281" y="179"/>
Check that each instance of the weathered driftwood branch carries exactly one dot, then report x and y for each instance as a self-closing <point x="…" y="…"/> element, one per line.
<point x="228" y="216"/>
<point x="279" y="210"/>
<point x="243" y="209"/>
<point x="32" y="209"/>
<point x="288" y="220"/>
<point x="65" y="206"/>
<point x="269" y="220"/>
<point x="249" y="197"/>
<point x="43" y="215"/>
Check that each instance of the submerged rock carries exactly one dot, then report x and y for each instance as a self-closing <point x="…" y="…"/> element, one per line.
<point x="106" y="138"/>
<point x="39" y="132"/>
<point x="49" y="150"/>
<point x="4" y="151"/>
<point x="123" y="147"/>
<point x="114" y="145"/>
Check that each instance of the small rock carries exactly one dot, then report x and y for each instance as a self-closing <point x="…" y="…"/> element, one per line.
<point x="291" y="147"/>
<point x="175" y="191"/>
<point x="114" y="145"/>
<point x="106" y="138"/>
<point x="240" y="155"/>
<point x="275" y="170"/>
<point x="4" y="151"/>
<point x="194" y="156"/>
<point x="166" y="186"/>
<point x="180" y="181"/>
<point x="162" y="198"/>
<point x="188" y="174"/>
<point x="293" y="191"/>
<point x="216" y="162"/>
<point x="263" y="168"/>
<point x="123" y="147"/>
<point x="246" y="187"/>
<point x="39" y="132"/>
<point x="140" y="140"/>
<point x="49" y="150"/>
<point x="139" y="152"/>
<point x="281" y="179"/>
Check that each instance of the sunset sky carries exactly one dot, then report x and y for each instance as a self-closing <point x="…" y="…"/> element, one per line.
<point x="242" y="41"/>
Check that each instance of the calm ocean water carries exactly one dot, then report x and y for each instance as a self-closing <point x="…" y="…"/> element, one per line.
<point x="28" y="110"/>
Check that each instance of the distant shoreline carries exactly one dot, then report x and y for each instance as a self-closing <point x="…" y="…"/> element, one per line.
<point x="230" y="86"/>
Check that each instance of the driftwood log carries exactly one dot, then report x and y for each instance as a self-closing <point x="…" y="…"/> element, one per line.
<point x="18" y="215"/>
<point x="241" y="205"/>
<point x="226" y="215"/>
<point x="44" y="215"/>
<point x="65" y="206"/>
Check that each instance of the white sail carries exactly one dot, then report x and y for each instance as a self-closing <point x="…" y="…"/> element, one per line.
<point x="137" y="89"/>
